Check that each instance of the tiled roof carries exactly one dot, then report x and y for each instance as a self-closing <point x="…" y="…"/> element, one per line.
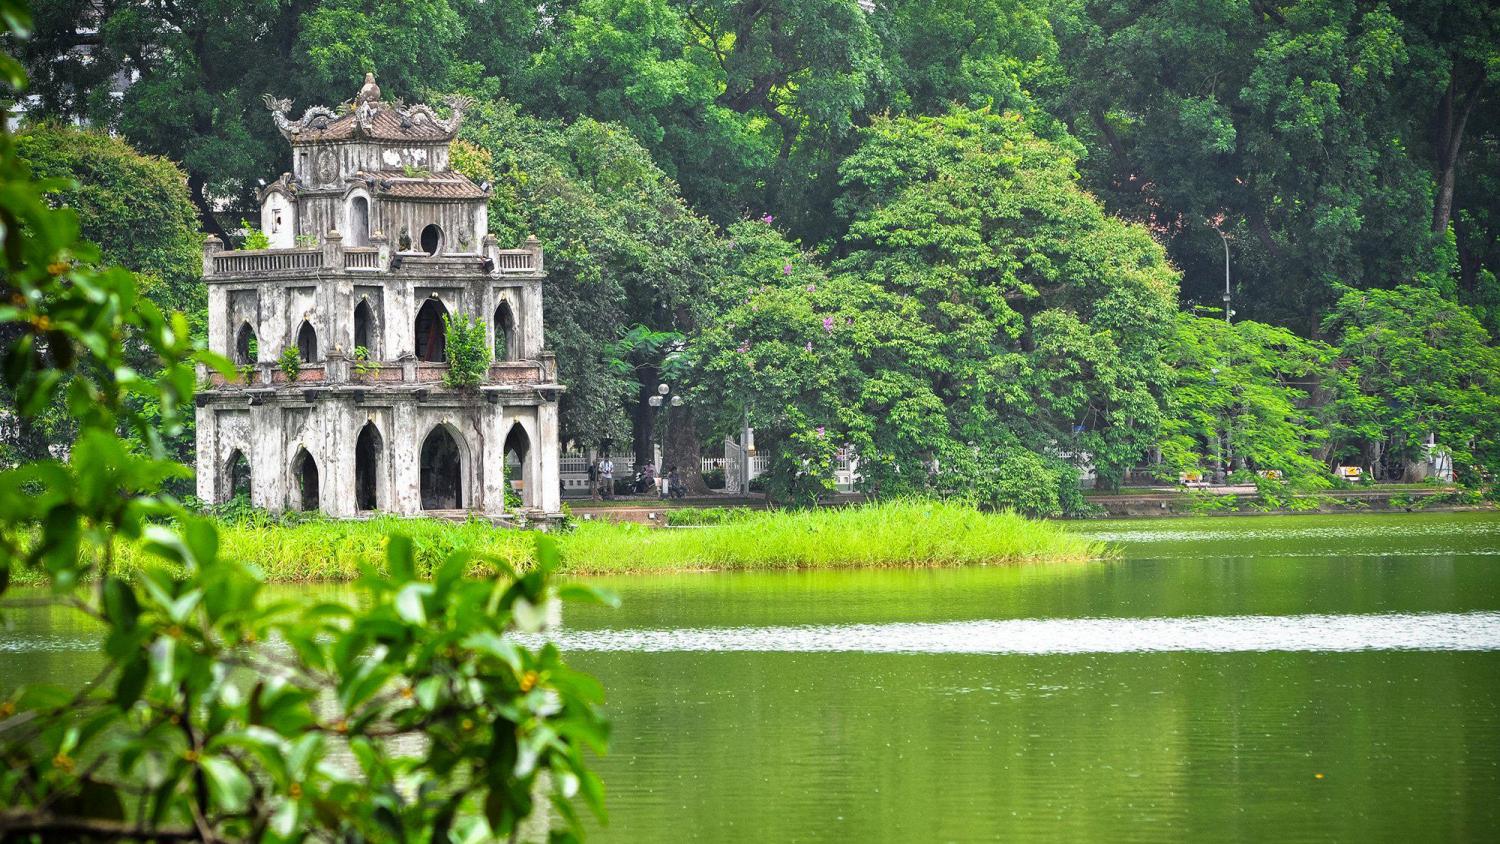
<point x="450" y="185"/>
<point x="388" y="124"/>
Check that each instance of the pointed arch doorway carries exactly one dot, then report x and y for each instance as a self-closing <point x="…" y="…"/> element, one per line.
<point x="368" y="450"/>
<point x="442" y="470"/>
<point x="517" y="453"/>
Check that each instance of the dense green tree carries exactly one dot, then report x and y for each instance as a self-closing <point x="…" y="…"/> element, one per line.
<point x="984" y="307"/>
<point x="748" y="105"/>
<point x="623" y="250"/>
<point x="135" y="207"/>
<point x="137" y="210"/>
<point x="1414" y="365"/>
<point x="1317" y="133"/>
<point x="1240" y="400"/>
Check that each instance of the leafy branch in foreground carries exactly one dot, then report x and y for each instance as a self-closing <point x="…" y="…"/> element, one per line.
<point x="219" y="715"/>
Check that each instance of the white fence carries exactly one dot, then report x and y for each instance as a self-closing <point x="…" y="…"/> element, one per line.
<point x="575" y="469"/>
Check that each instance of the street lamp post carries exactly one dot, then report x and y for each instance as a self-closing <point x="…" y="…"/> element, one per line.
<point x="1227" y="455"/>
<point x="1227" y="312"/>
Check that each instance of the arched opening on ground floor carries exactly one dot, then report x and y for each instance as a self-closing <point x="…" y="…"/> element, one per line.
<point x="442" y="471"/>
<point x="517" y="449"/>
<point x="305" y="474"/>
<point x="367" y="453"/>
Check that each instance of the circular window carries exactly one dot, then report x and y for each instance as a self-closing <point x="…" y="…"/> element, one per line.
<point x="432" y="239"/>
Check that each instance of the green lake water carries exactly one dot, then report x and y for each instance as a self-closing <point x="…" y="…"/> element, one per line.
<point x="1276" y="678"/>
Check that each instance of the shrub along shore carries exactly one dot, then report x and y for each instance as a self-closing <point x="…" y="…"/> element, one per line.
<point x="895" y="534"/>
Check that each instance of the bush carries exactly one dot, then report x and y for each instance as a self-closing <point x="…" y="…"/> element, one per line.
<point x="254" y="238"/>
<point x="467" y="351"/>
<point x="290" y="363"/>
<point x="714" y="478"/>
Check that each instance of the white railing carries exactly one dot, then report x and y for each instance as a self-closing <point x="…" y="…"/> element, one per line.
<point x="514" y="261"/>
<point x="362" y="258"/>
<point x="267" y="260"/>
<point x="573" y="467"/>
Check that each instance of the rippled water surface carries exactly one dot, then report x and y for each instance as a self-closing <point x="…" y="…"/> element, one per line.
<point x="1289" y="679"/>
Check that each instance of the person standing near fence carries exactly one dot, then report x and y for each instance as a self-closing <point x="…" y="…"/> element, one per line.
<point x="607" y="477"/>
<point x="594" y="480"/>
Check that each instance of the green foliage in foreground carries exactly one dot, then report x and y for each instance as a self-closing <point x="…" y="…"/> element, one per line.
<point x="196" y="728"/>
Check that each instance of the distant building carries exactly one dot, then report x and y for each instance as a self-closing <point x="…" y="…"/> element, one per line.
<point x="374" y="241"/>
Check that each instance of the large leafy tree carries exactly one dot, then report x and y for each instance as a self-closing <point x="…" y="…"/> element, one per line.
<point x="748" y="105"/>
<point x="1320" y="134"/>
<point x="623" y="250"/>
<point x="1414" y="366"/>
<point x="1240" y="400"/>
<point x="136" y="209"/>
<point x="984" y="308"/>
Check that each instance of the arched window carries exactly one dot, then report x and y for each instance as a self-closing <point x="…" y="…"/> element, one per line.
<point x="238" y="475"/>
<point x="432" y="239"/>
<point x="307" y="342"/>
<point x="359" y="221"/>
<point x="432" y="339"/>
<point x="507" y="345"/>
<point x="441" y="471"/>
<point x="246" y="347"/>
<point x="517" y="447"/>
<point x="305" y="474"/>
<point x="367" y="450"/>
<point x="364" y="327"/>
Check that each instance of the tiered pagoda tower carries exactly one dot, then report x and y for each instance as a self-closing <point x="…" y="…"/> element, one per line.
<point x="374" y="240"/>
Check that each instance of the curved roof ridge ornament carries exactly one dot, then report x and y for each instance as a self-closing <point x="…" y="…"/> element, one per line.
<point x="315" y="116"/>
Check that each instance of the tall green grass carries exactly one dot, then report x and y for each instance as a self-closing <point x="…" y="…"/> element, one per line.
<point x="906" y="533"/>
<point x="903" y="533"/>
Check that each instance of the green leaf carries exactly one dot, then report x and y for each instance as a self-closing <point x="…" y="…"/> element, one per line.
<point x="120" y="604"/>
<point x="132" y="682"/>
<point x="398" y="555"/>
<point x="409" y="602"/>
<point x="227" y="784"/>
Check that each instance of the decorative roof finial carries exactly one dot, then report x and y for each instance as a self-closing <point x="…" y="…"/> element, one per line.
<point x="369" y="92"/>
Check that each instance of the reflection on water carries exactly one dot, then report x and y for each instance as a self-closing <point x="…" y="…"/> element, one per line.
<point x="1476" y="631"/>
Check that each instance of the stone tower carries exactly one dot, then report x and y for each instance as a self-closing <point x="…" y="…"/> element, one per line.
<point x="374" y="240"/>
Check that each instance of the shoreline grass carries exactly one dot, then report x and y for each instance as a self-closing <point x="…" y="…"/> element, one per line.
<point x="910" y="534"/>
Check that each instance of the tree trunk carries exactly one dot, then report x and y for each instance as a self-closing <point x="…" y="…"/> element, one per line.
<point x="205" y="209"/>
<point x="681" y="448"/>
<point x="643" y="422"/>
<point x="1452" y="117"/>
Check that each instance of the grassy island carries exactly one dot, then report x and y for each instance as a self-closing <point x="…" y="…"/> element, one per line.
<point x="894" y="534"/>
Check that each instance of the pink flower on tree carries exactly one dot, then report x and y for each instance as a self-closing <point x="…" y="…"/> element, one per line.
<point x="809" y="345"/>
<point x="767" y="219"/>
<point x="744" y="348"/>
<point x="828" y="324"/>
<point x="812" y="288"/>
<point x="786" y="269"/>
<point x="820" y="431"/>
